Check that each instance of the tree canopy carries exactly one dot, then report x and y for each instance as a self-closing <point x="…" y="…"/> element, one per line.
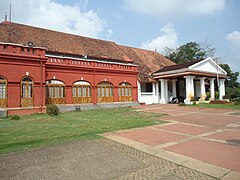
<point x="189" y="52"/>
<point x="232" y="76"/>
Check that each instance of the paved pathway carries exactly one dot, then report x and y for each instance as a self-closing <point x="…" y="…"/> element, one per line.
<point x="197" y="138"/>
<point x="104" y="159"/>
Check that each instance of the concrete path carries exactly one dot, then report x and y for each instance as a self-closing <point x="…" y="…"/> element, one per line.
<point x="205" y="140"/>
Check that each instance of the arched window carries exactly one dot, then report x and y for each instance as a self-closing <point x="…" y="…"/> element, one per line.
<point x="81" y="92"/>
<point x="105" y="92"/>
<point x="125" y="92"/>
<point x="27" y="92"/>
<point x="3" y="92"/>
<point x="55" y="92"/>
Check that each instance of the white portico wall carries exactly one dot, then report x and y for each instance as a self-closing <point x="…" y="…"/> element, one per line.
<point x="149" y="97"/>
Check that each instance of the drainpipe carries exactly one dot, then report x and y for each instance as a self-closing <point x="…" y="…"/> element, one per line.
<point x="41" y="84"/>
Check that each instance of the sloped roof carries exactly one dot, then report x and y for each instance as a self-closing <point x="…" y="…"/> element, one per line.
<point x="178" y="66"/>
<point x="147" y="61"/>
<point x="60" y="42"/>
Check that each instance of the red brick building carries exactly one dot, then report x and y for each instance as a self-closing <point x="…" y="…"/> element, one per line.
<point x="40" y="66"/>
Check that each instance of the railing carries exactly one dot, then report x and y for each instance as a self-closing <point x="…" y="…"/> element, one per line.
<point x="21" y="50"/>
<point x="91" y="64"/>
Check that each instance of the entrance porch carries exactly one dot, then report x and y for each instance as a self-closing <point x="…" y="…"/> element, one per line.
<point x="192" y="81"/>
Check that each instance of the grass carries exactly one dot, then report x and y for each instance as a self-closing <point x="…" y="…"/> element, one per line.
<point x="224" y="106"/>
<point x="41" y="129"/>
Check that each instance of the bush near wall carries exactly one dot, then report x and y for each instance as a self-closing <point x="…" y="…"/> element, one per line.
<point x="52" y="110"/>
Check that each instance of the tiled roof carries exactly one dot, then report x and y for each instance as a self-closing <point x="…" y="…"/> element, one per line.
<point x="177" y="66"/>
<point x="147" y="61"/>
<point x="60" y="42"/>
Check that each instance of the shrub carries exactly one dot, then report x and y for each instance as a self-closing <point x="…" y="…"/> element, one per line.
<point x="15" y="117"/>
<point x="52" y="110"/>
<point x="208" y="96"/>
<point x="233" y="92"/>
<point x="225" y="97"/>
<point x="237" y="101"/>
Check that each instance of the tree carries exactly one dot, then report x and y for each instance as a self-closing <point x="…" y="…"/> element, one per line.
<point x="232" y="86"/>
<point x="232" y="76"/>
<point x="189" y="52"/>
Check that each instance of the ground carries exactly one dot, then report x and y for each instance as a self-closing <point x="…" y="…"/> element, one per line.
<point x="194" y="145"/>
<point x="204" y="139"/>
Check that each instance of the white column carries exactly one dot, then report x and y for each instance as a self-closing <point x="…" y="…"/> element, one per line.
<point x="139" y="91"/>
<point x="189" y="89"/>
<point x="212" y="89"/>
<point x="223" y="81"/>
<point x="174" y="90"/>
<point x="221" y="88"/>
<point x="203" y="92"/>
<point x="166" y="91"/>
<point x="153" y="88"/>
<point x="157" y="91"/>
<point x="162" y="100"/>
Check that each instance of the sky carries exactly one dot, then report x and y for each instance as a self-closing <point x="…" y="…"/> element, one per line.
<point x="147" y="24"/>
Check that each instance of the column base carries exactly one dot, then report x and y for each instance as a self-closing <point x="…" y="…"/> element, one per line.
<point x="187" y="101"/>
<point x="163" y="101"/>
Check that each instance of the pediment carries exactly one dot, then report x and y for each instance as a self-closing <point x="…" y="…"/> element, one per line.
<point x="208" y="65"/>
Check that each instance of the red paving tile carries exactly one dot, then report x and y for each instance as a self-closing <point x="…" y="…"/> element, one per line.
<point x="226" y="135"/>
<point x="166" y="111"/>
<point x="151" y="137"/>
<point x="219" y="154"/>
<point x="204" y="119"/>
<point x="187" y="129"/>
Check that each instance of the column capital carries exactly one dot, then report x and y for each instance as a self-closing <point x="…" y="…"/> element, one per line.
<point x="202" y="78"/>
<point x="211" y="79"/>
<point x="188" y="77"/>
<point x="173" y="80"/>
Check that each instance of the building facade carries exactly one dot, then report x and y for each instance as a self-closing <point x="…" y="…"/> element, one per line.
<point x="40" y="66"/>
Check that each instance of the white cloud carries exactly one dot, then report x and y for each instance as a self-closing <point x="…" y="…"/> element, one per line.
<point x="109" y="33"/>
<point x="175" y="7"/>
<point x="168" y="38"/>
<point x="53" y="15"/>
<point x="234" y="37"/>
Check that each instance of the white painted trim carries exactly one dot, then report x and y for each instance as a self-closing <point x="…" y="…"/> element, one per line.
<point x="205" y="60"/>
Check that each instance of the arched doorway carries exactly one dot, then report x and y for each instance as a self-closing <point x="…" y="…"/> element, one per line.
<point x="125" y="92"/>
<point x="82" y="92"/>
<point x="3" y="92"/>
<point x="27" y="92"/>
<point x="105" y="92"/>
<point x="55" y="92"/>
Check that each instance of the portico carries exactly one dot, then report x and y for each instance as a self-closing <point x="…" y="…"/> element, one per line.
<point x="189" y="81"/>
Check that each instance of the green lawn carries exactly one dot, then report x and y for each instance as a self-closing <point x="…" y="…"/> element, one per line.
<point x="227" y="106"/>
<point x="41" y="129"/>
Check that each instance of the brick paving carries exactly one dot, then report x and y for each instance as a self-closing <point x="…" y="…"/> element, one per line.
<point x="103" y="159"/>
<point x="198" y="138"/>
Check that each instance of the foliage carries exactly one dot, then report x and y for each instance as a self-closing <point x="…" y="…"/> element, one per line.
<point x="15" y="117"/>
<point x="190" y="52"/>
<point x="41" y="129"/>
<point x="225" y="97"/>
<point x="231" y="82"/>
<point x="221" y="106"/>
<point x="52" y="110"/>
<point x="237" y="101"/>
